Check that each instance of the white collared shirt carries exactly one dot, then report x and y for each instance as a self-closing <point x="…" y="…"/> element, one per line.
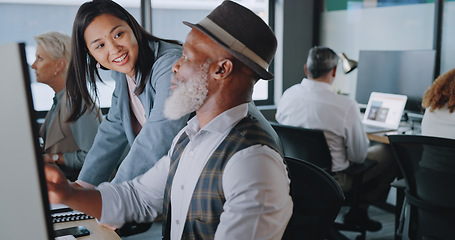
<point x="255" y="184"/>
<point x="313" y="104"/>
<point x="439" y="123"/>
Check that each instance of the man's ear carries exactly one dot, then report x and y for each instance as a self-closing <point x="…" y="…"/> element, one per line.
<point x="224" y="68"/>
<point x="334" y="71"/>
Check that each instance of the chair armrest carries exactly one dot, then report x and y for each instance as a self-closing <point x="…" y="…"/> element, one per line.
<point x="360" y="168"/>
<point x="399" y="184"/>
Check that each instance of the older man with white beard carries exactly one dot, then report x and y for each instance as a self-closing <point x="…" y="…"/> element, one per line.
<point x="223" y="177"/>
<point x="187" y="96"/>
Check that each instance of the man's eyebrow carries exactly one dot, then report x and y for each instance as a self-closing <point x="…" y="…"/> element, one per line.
<point x="112" y="30"/>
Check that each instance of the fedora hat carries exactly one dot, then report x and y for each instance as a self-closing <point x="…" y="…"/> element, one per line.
<point x="243" y="33"/>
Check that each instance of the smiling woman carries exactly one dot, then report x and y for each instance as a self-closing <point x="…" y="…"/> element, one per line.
<point x="112" y="42"/>
<point x="110" y="38"/>
<point x="105" y="35"/>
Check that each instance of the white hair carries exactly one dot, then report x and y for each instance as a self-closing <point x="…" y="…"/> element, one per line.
<point x="57" y="45"/>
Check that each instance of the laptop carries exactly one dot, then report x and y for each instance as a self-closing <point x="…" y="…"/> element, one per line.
<point x="383" y="112"/>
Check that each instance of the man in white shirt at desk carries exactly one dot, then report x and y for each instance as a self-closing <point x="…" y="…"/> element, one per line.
<point x="313" y="104"/>
<point x="223" y="177"/>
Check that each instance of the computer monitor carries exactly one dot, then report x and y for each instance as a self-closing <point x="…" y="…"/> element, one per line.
<point x="24" y="204"/>
<point x="408" y="73"/>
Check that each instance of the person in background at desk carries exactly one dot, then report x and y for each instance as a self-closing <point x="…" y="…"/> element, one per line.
<point x="313" y="104"/>
<point x="439" y="104"/>
<point x="223" y="177"/>
<point x="65" y="144"/>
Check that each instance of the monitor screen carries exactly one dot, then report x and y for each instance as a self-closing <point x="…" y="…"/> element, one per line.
<point x="408" y="73"/>
<point x="24" y="204"/>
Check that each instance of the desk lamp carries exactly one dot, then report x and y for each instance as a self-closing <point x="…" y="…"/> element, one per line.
<point x="348" y="64"/>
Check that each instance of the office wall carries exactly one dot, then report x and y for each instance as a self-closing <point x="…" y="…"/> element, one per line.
<point x="295" y="29"/>
<point x="405" y="27"/>
<point x="448" y="34"/>
<point x="408" y="27"/>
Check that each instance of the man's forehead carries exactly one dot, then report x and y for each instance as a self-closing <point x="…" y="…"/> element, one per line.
<point x="197" y="41"/>
<point x="196" y="36"/>
<point x="200" y="42"/>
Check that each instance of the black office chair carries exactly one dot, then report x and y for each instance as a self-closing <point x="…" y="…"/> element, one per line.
<point x="317" y="200"/>
<point x="428" y="166"/>
<point x="311" y="145"/>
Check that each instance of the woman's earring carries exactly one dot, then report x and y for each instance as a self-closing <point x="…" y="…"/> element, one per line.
<point x="98" y="65"/>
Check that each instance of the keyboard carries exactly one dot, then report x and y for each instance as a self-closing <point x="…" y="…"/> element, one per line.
<point x="68" y="215"/>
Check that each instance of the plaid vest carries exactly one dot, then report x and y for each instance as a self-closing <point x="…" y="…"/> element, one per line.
<point x="208" y="198"/>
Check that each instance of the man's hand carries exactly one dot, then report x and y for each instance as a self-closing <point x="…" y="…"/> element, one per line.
<point x="75" y="185"/>
<point x="57" y="184"/>
<point x="60" y="191"/>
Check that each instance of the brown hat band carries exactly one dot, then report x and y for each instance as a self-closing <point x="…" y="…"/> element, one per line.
<point x="232" y="42"/>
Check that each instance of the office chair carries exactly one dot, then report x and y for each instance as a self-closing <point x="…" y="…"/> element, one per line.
<point x="310" y="145"/>
<point x="317" y="200"/>
<point x="428" y="166"/>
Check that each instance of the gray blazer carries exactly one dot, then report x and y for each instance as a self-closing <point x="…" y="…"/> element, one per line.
<point x="116" y="132"/>
<point x="73" y="139"/>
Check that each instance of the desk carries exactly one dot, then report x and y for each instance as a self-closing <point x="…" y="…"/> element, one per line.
<point x="97" y="232"/>
<point x="378" y="137"/>
<point x="409" y="127"/>
<point x="404" y="128"/>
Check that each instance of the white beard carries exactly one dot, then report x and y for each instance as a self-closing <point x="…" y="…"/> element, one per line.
<point x="188" y="96"/>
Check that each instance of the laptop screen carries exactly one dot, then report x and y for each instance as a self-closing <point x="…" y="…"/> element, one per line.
<point x="384" y="110"/>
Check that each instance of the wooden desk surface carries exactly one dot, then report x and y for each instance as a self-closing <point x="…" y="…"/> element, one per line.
<point x="97" y="232"/>
<point x="379" y="137"/>
<point x="382" y="137"/>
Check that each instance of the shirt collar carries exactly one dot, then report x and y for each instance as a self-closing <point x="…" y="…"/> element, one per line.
<point x="58" y="96"/>
<point x="220" y="123"/>
<point x="316" y="84"/>
<point x="132" y="79"/>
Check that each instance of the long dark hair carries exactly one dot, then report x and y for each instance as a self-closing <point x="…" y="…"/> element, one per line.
<point x="82" y="70"/>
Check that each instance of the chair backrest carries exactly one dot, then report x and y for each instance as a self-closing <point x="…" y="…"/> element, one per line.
<point x="317" y="200"/>
<point x="303" y="143"/>
<point x="428" y="166"/>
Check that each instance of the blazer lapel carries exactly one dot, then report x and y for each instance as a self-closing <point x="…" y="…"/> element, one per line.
<point x="55" y="133"/>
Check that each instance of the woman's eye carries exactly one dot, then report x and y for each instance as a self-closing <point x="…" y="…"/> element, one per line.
<point x="100" y="46"/>
<point x="118" y="35"/>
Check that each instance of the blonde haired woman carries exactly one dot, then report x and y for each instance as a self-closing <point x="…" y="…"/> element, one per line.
<point x="65" y="144"/>
<point x="439" y="101"/>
